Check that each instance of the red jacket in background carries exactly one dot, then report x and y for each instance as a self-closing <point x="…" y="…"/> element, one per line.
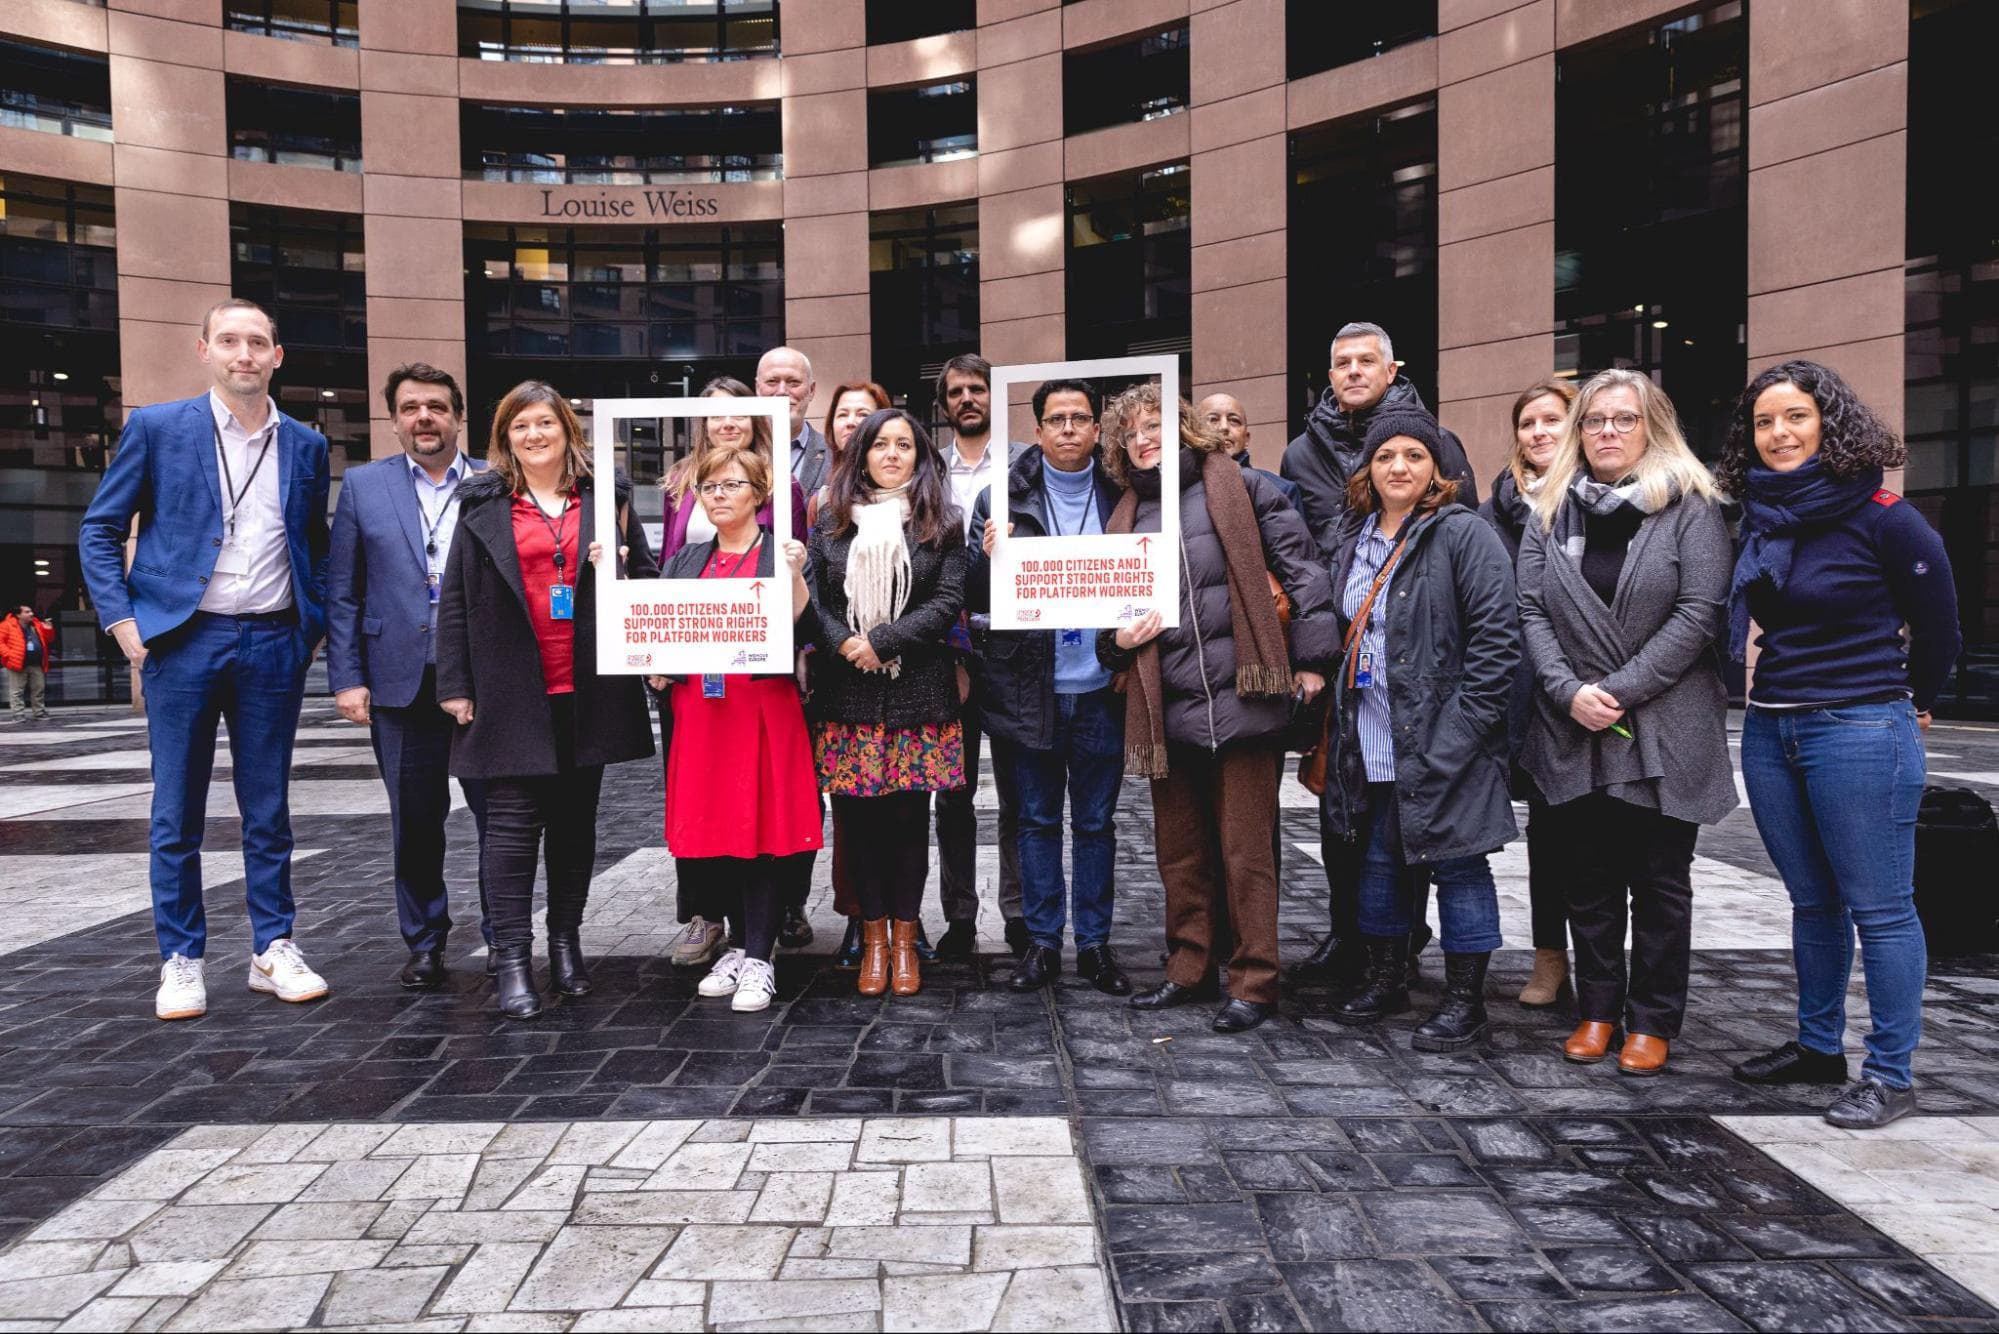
<point x="14" y="643"/>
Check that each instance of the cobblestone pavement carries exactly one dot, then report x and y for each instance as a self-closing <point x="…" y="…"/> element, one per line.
<point x="1305" y="1175"/>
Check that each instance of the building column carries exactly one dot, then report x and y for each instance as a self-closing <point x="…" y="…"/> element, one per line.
<point x="1241" y="186"/>
<point x="413" y="228"/>
<point x="1828" y="146"/>
<point x="1495" y="218"/>
<point x="170" y="161"/>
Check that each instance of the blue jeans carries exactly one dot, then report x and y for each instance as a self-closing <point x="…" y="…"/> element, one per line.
<point x="1087" y="761"/>
<point x="1834" y="793"/>
<point x="250" y="672"/>
<point x="1467" y="900"/>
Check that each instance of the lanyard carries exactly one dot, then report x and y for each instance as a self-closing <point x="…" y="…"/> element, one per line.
<point x="736" y="567"/>
<point x="228" y="481"/>
<point x="430" y="532"/>
<point x="555" y="530"/>
<point x="1367" y="608"/>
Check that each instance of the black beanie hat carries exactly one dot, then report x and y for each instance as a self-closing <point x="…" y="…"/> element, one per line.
<point x="1412" y="422"/>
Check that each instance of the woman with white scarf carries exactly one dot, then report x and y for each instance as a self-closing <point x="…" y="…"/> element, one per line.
<point x="887" y="564"/>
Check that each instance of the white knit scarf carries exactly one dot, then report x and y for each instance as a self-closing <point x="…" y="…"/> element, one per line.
<point x="878" y="574"/>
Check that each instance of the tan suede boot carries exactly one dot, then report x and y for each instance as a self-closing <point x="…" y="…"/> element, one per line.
<point x="1551" y="974"/>
<point x="904" y="971"/>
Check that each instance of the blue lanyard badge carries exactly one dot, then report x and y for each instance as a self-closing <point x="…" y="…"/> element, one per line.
<point x="561" y="602"/>
<point x="714" y="685"/>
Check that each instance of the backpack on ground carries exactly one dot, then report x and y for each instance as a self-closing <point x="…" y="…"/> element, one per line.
<point x="1957" y="891"/>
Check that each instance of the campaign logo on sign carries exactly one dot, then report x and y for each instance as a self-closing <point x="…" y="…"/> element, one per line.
<point x="638" y="660"/>
<point x="1030" y="613"/>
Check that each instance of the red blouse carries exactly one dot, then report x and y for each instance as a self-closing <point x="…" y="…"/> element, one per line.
<point x="534" y="542"/>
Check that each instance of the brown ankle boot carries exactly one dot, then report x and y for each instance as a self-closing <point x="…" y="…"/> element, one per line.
<point x="874" y="957"/>
<point x="903" y="966"/>
<point x="1551" y="971"/>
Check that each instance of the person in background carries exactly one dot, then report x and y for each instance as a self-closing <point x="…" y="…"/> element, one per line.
<point x="1832" y="569"/>
<point x="742" y="802"/>
<point x="26" y="641"/>
<point x="1540" y="416"/>
<point x="1207" y="703"/>
<point x="785" y="372"/>
<point x="852" y="404"/>
<point x="887" y="570"/>
<point x="220" y="612"/>
<point x="392" y="532"/>
<point x="1623" y="582"/>
<point x="1417" y="770"/>
<point x="517" y="671"/>
<point x="1224" y="415"/>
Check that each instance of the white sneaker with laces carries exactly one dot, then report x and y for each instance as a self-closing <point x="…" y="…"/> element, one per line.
<point x="698" y="944"/>
<point x="282" y="971"/>
<point x="755" y="987"/>
<point x="724" y="976"/>
<point x="183" y="992"/>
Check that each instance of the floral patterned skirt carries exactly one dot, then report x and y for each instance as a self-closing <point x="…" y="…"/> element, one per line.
<point x="871" y="760"/>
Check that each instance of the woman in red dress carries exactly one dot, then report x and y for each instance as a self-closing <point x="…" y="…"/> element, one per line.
<point x="742" y="800"/>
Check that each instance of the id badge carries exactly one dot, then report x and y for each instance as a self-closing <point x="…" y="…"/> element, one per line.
<point x="561" y="602"/>
<point x="234" y="558"/>
<point x="1072" y="638"/>
<point x="431" y="585"/>
<point x="714" y="685"/>
<point x="1363" y="676"/>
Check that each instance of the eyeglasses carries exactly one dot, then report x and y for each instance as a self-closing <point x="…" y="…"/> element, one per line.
<point x="716" y="490"/>
<point x="1625" y="422"/>
<point x="1062" y="421"/>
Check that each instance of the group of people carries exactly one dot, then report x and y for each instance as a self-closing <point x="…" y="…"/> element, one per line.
<point x="1431" y="659"/>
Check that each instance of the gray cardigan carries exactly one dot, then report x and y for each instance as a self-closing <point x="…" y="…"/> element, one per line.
<point x="1653" y="649"/>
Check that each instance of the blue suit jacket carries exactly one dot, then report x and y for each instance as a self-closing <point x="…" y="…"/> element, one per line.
<point x="165" y="473"/>
<point x="377" y="605"/>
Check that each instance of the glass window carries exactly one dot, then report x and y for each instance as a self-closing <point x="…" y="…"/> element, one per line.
<point x="55" y="91"/>
<point x="556" y="145"/>
<point x="932" y="122"/>
<point x="1319" y="36"/>
<point x="307" y="269"/>
<point x="617" y="32"/>
<point x="901" y="21"/>
<point x="923" y="297"/>
<point x="1138" y="79"/>
<point x="294" y="127"/>
<point x="1130" y="266"/>
<point x="336" y="22"/>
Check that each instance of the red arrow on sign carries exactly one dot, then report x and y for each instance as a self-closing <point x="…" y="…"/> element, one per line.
<point x="1143" y="543"/>
<point x="757" y="587"/>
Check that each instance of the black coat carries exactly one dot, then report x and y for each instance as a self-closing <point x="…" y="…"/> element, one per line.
<point x="926" y="691"/>
<point x="486" y="648"/>
<point x="1506" y="510"/>
<point x="1325" y="455"/>
<point x="1197" y="658"/>
<point x="1015" y="669"/>
<point x="1453" y="648"/>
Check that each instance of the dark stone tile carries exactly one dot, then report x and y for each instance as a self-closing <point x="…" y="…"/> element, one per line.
<point x="1189" y="1097"/>
<point x="1171" y="1317"/>
<point x="1208" y="1185"/>
<point x="851" y="1102"/>
<point x="1272" y="1313"/>
<point x="35" y="1198"/>
<point x="1267" y="1171"/>
<point x="1281" y="1134"/>
<point x="1139" y="1185"/>
<point x="1426" y="1169"/>
<point x="1611" y="1269"/>
<point x="1119" y="1102"/>
<point x="1190" y="1227"/>
<point x="938" y="1102"/>
<point x="1344" y="1171"/>
<point x="1775" y="1191"/>
<point x="1220" y="1274"/>
<point x="1792" y="1296"/>
<point x="1568" y="1224"/>
<point x="1505" y="1141"/>
<point x="1463" y="1096"/>
<point x="730" y="1068"/>
<point x="1679" y="1239"/>
<point x="96" y="1151"/>
<point x="1612" y="1315"/>
<point x="1460" y="1222"/>
<point x="1556" y="1185"/>
<point x="671" y="1103"/>
<point x="896" y="1070"/>
<point x="1313" y="1227"/>
<point x="1834" y="1237"/>
<point x="571" y="1107"/>
<point x="767" y="1100"/>
<point x="1111" y="1143"/>
<point x="704" y="1035"/>
<point x="1912" y="1288"/>
<point x="1479" y="1278"/>
<point x="1693" y="1143"/>
<point x="1373" y="1294"/>
<point x="1001" y="1072"/>
<point x="639" y="1067"/>
<point x="1685" y="1192"/>
<point x="1386" y="1136"/>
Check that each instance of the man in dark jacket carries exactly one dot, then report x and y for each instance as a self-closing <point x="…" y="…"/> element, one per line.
<point x="1364" y="379"/>
<point x="1056" y="725"/>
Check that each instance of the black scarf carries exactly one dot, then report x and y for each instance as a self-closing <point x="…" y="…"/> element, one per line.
<point x="1776" y="507"/>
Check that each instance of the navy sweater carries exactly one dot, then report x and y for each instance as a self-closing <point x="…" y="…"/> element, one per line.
<point x="1834" y="635"/>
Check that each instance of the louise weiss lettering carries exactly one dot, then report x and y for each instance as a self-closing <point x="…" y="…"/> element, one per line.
<point x="658" y="204"/>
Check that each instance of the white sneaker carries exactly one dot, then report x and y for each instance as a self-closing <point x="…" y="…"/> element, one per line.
<point x="282" y="971"/>
<point x="699" y="944"/>
<point x="755" y="988"/>
<point x="723" y="977"/>
<point x="183" y="993"/>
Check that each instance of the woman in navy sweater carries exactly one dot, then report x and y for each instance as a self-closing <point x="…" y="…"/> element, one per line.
<point x="1832" y="569"/>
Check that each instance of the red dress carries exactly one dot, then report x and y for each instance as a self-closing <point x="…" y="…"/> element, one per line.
<point x="739" y="775"/>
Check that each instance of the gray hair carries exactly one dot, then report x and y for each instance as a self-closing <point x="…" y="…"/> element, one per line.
<point x="1361" y="329"/>
<point x="807" y="361"/>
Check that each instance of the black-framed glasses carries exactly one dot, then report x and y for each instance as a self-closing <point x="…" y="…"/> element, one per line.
<point x="716" y="490"/>
<point x="1062" y="421"/>
<point x="1625" y="422"/>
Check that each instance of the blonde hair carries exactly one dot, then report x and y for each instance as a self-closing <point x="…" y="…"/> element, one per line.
<point x="681" y="475"/>
<point x="1121" y="416"/>
<point x="1516" y="458"/>
<point x="1666" y="467"/>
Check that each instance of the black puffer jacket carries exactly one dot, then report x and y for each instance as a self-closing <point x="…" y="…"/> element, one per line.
<point x="1508" y="513"/>
<point x="1322" y="458"/>
<point x="1197" y="658"/>
<point x="1453" y="649"/>
<point x="926" y="691"/>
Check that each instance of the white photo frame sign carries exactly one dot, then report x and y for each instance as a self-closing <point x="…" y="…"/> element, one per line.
<point x="684" y="627"/>
<point x="1091" y="582"/>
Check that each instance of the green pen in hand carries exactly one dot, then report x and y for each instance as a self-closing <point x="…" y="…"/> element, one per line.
<point x="1621" y="730"/>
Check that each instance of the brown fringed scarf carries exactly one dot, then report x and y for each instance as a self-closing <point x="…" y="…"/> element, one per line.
<point x="1263" y="662"/>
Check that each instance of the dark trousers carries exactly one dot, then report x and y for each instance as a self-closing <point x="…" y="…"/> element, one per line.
<point x="1636" y="865"/>
<point x="885" y="844"/>
<point x="958" y="840"/>
<point x="1211" y="817"/>
<point x="548" y="817"/>
<point x="1550" y="863"/>
<point x="249" y="671"/>
<point x="1086" y="765"/>
<point x="413" y="748"/>
<point x="754" y="890"/>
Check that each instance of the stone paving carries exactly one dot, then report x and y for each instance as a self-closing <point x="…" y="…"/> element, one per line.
<point x="1302" y="1176"/>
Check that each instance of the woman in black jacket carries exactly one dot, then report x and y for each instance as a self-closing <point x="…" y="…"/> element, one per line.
<point x="887" y="566"/>
<point x="517" y="668"/>
<point x="1417" y="770"/>
<point x="1208" y="702"/>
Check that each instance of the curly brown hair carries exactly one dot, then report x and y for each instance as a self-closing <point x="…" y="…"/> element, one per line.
<point x="1851" y="438"/>
<point x="1121" y="416"/>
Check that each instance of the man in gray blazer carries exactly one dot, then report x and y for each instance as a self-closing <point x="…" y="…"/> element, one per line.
<point x="392" y="531"/>
<point x="786" y="372"/>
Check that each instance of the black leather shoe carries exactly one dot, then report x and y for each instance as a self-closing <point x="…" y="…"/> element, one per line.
<point x="1169" y="994"/>
<point x="1387" y="989"/>
<point x="566" y="971"/>
<point x="1460" y="1020"/>
<point x="1038" y="967"/>
<point x="1793" y="1064"/>
<point x="849" y="955"/>
<point x="514" y="982"/>
<point x="1869" y="1105"/>
<point x="1099" y="965"/>
<point x="960" y="941"/>
<point x="795" y="933"/>
<point x="925" y="951"/>
<point x="1017" y="938"/>
<point x="1239" y="1016"/>
<point x="424" y="971"/>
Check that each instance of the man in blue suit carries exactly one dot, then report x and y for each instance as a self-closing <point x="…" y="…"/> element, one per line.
<point x="221" y="611"/>
<point x="392" y="531"/>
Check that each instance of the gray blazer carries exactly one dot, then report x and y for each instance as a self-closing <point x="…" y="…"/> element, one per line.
<point x="1653" y="649"/>
<point x="813" y="463"/>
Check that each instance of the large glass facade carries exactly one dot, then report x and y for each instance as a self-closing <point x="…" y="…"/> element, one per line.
<point x="334" y="22"/>
<point x="906" y="20"/>
<point x="564" y="146"/>
<point x="1319" y="35"/>
<point x="617" y="32"/>
<point x="923" y="296"/>
<point x="59" y="411"/>
<point x="1363" y="243"/>
<point x="1129" y="278"/>
<point x="1951" y="408"/>
<point x="1142" y="78"/>
<point x="1651" y="211"/>
<point x="294" y="127"/>
<point x="930" y="122"/>
<point x="55" y="91"/>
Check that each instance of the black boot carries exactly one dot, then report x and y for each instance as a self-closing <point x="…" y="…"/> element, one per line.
<point x="796" y="932"/>
<point x="959" y="941"/>
<point x="1099" y="965"/>
<point x="513" y="981"/>
<point x="1460" y="1020"/>
<point x="849" y="955"/>
<point x="925" y="951"/>
<point x="1387" y="989"/>
<point x="566" y="971"/>
<point x="1418" y="940"/>
<point x="1338" y="963"/>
